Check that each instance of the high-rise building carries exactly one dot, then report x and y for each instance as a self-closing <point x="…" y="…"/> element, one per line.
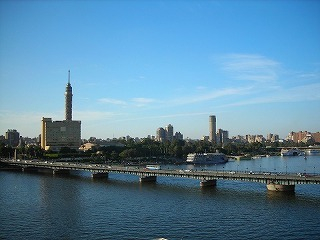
<point x="58" y="134"/>
<point x="169" y="132"/>
<point x="212" y="128"/>
<point x="178" y="136"/>
<point x="222" y="136"/>
<point x="166" y="134"/>
<point x="12" y="137"/>
<point x="161" y="134"/>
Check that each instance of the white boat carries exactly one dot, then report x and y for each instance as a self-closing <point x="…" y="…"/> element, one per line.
<point x="153" y="167"/>
<point x="206" y="158"/>
<point x="291" y="152"/>
<point x="313" y="152"/>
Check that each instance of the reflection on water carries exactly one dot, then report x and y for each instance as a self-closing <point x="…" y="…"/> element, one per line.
<point x="42" y="206"/>
<point x="280" y="196"/>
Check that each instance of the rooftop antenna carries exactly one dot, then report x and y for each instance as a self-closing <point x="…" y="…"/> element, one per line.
<point x="69" y="76"/>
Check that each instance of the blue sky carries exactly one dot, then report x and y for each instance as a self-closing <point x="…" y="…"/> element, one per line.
<point x="139" y="65"/>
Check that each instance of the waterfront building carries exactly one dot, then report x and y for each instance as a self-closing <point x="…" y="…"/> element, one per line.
<point x="12" y="137"/>
<point x="88" y="146"/>
<point x="273" y="137"/>
<point x="58" y="134"/>
<point x="66" y="133"/>
<point x="222" y="136"/>
<point x="204" y="138"/>
<point x="255" y="138"/>
<point x="303" y="136"/>
<point x="169" y="132"/>
<point x="166" y="134"/>
<point x="212" y="128"/>
<point x="178" y="136"/>
<point x="161" y="134"/>
<point x="2" y="139"/>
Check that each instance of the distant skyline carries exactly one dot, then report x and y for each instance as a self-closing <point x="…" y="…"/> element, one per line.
<point x="139" y="65"/>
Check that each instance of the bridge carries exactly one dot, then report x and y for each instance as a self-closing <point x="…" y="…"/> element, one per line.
<point x="274" y="181"/>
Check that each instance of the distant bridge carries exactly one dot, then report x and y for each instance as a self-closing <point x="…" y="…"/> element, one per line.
<point x="274" y="181"/>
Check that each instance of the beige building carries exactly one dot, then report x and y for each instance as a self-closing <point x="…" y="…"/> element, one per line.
<point x="66" y="133"/>
<point x="304" y="136"/>
<point x="58" y="134"/>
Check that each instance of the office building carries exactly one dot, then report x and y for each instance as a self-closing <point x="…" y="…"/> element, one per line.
<point x="212" y="128"/>
<point x="161" y="134"/>
<point x="222" y="136"/>
<point x="12" y="137"/>
<point x="166" y="134"/>
<point x="66" y="133"/>
<point x="304" y="136"/>
<point x="169" y="132"/>
<point x="178" y="136"/>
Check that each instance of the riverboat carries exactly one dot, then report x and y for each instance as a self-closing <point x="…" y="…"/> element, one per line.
<point x="291" y="152"/>
<point x="153" y="167"/>
<point x="206" y="158"/>
<point x="313" y="152"/>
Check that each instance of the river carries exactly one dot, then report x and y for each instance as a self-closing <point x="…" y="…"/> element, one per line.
<point x="42" y="206"/>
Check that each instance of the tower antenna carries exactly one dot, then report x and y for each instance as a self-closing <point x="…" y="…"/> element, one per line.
<point x="69" y="76"/>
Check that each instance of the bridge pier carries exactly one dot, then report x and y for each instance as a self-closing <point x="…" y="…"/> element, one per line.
<point x="148" y="178"/>
<point x="99" y="175"/>
<point x="29" y="169"/>
<point x="280" y="187"/>
<point x="60" y="171"/>
<point x="207" y="183"/>
<point x="45" y="170"/>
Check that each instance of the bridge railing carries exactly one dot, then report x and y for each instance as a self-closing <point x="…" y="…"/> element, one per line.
<point x="196" y="174"/>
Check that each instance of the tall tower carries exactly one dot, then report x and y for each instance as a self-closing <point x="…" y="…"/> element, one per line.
<point x="212" y="128"/>
<point x="68" y="95"/>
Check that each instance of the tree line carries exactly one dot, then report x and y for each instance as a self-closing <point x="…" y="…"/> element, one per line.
<point x="147" y="150"/>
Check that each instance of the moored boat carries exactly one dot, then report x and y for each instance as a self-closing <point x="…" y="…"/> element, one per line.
<point x="313" y="152"/>
<point x="206" y="158"/>
<point x="153" y="167"/>
<point x="291" y="152"/>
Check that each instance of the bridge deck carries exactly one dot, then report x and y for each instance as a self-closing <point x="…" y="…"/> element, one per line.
<point x="268" y="177"/>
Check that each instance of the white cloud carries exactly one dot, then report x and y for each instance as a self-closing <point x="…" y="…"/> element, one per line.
<point x="208" y="96"/>
<point x="250" y="67"/>
<point x="112" y="101"/>
<point x="93" y="115"/>
<point x="141" y="102"/>
<point x="302" y="93"/>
